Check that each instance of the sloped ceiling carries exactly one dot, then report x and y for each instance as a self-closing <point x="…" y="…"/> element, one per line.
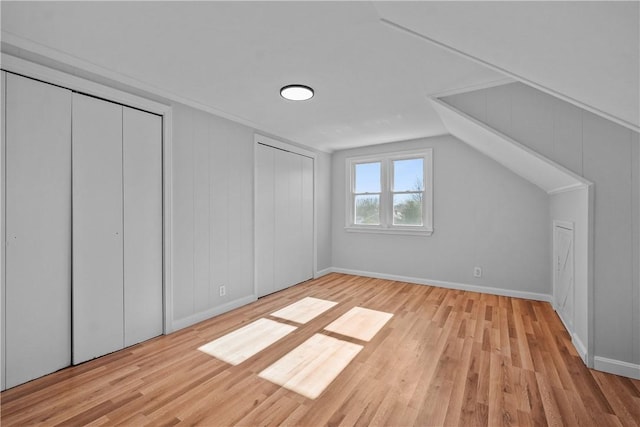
<point x="586" y="52"/>
<point x="231" y="58"/>
<point x="372" y="81"/>
<point x="521" y="160"/>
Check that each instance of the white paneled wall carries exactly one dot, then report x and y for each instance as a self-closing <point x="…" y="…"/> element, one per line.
<point x="607" y="155"/>
<point x="212" y="215"/>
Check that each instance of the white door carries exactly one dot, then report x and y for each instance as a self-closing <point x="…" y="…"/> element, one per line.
<point x="38" y="229"/>
<point x="563" y="289"/>
<point x="142" y="180"/>
<point x="284" y="219"/>
<point x="265" y="219"/>
<point x="98" y="305"/>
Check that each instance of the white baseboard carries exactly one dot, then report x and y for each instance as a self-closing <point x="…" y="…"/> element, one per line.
<point x="617" y="367"/>
<point x="580" y="348"/>
<point x="321" y="273"/>
<point x="207" y="314"/>
<point x="449" y="285"/>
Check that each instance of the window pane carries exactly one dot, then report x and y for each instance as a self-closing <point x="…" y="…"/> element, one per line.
<point x="407" y="175"/>
<point x="368" y="178"/>
<point x="407" y="209"/>
<point x="367" y="209"/>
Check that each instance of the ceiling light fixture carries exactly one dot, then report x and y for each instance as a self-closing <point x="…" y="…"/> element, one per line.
<point x="296" y="92"/>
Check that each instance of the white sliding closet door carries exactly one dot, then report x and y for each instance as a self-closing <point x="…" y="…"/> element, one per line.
<point x="98" y="312"/>
<point x="142" y="171"/>
<point x="37" y="304"/>
<point x="265" y="219"/>
<point x="306" y="245"/>
<point x="284" y="219"/>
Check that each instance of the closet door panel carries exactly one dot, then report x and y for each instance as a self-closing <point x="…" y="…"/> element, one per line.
<point x="306" y="251"/>
<point x="264" y="219"/>
<point x="295" y="249"/>
<point x="38" y="229"/>
<point x="98" y="315"/>
<point x="142" y="172"/>
<point x="3" y="298"/>
<point x="282" y="260"/>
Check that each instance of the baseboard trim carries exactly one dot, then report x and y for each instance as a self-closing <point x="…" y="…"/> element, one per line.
<point x="323" y="272"/>
<point x="207" y="314"/>
<point x="449" y="285"/>
<point x="617" y="367"/>
<point x="580" y="347"/>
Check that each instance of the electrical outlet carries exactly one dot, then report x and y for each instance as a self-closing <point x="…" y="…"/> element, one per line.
<point x="477" y="272"/>
<point x="223" y="291"/>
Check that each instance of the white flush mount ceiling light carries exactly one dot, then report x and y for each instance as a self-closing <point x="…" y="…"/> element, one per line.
<point x="296" y="92"/>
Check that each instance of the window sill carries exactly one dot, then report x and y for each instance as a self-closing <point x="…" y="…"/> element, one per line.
<point x="384" y="230"/>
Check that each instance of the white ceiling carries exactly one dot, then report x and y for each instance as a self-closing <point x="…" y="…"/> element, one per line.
<point x="231" y="58"/>
<point x="586" y="52"/>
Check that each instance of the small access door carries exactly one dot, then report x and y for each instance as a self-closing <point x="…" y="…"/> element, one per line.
<point x="563" y="276"/>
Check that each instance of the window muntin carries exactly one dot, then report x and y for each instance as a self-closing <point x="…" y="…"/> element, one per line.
<point x="390" y="193"/>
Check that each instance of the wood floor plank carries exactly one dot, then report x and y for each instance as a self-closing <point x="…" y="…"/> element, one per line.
<point x="304" y="310"/>
<point x="445" y="357"/>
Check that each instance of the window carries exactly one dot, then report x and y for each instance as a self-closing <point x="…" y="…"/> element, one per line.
<point x="390" y="193"/>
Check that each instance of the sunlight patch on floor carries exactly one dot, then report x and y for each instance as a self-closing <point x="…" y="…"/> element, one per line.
<point x="304" y="310"/>
<point x="239" y="345"/>
<point x="360" y="323"/>
<point x="312" y="366"/>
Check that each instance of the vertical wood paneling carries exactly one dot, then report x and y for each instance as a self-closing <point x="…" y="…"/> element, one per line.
<point x="213" y="213"/>
<point x="142" y="195"/>
<point x="224" y="171"/>
<point x="567" y="136"/>
<point x="240" y="214"/>
<point x="183" y="194"/>
<point x="201" y="215"/>
<point x="98" y="316"/>
<point x="607" y="162"/>
<point x="38" y="229"/>
<point x="498" y="105"/>
<point x="532" y="119"/>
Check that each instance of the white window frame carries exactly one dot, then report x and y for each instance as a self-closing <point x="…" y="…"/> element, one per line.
<point x="386" y="225"/>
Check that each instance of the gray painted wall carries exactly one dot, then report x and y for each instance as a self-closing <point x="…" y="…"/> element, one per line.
<point x="484" y="215"/>
<point x="605" y="154"/>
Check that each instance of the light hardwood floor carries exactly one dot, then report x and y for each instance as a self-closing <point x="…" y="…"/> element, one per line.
<point x="446" y="357"/>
